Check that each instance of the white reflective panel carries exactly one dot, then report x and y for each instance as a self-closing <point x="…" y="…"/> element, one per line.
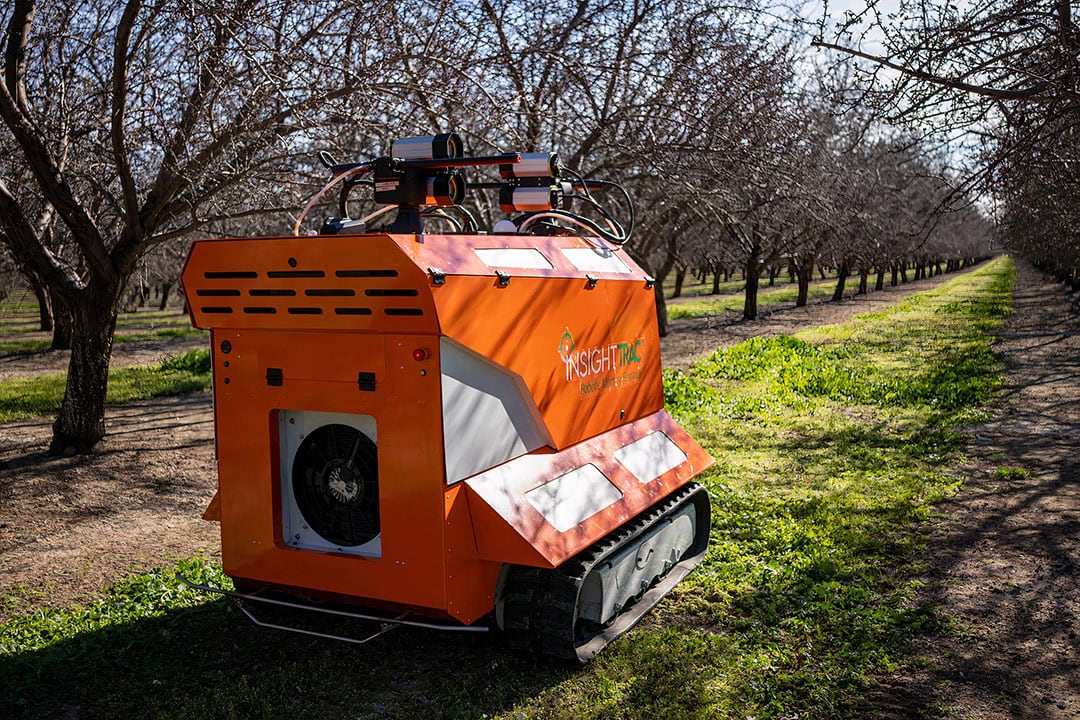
<point x="488" y="416"/>
<point x="529" y="258"/>
<point x="651" y="456"/>
<point x="570" y="498"/>
<point x="598" y="260"/>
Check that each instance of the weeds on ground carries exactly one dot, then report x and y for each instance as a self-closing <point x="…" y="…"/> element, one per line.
<point x="41" y="395"/>
<point x="830" y="449"/>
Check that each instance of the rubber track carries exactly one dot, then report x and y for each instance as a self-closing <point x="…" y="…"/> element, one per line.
<point x="540" y="604"/>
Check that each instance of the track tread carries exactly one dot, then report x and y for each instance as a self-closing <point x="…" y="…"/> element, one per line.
<point x="540" y="604"/>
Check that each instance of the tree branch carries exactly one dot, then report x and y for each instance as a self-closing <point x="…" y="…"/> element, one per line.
<point x="51" y="179"/>
<point x="25" y="243"/>
<point x="132" y="220"/>
<point x="1035" y="92"/>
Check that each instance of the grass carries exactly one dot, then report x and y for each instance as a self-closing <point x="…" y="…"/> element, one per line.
<point x="717" y="304"/>
<point x="11" y="347"/>
<point x="19" y="316"/>
<point x="831" y="449"/>
<point x="41" y="395"/>
<point x="692" y="288"/>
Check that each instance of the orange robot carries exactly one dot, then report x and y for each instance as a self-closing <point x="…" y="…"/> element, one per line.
<point x="461" y="430"/>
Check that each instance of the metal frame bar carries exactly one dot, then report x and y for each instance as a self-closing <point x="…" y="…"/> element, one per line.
<point x="389" y="623"/>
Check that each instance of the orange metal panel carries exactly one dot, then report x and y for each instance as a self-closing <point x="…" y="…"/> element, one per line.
<point x="528" y="325"/>
<point x="326" y="282"/>
<point x="406" y="407"/>
<point x="590" y="358"/>
<point x="470" y="582"/>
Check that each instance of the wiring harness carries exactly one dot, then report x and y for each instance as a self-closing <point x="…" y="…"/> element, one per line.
<point x="423" y="179"/>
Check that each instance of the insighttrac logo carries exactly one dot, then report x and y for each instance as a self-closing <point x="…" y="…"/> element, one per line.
<point x="598" y="359"/>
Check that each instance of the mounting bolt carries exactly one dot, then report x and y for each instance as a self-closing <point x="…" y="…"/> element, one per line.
<point x="503" y="278"/>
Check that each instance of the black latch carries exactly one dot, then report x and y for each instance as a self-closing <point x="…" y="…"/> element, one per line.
<point x="438" y="277"/>
<point x="590" y="281"/>
<point x="274" y="377"/>
<point x="649" y="282"/>
<point x="366" y="381"/>
<point x="503" y="277"/>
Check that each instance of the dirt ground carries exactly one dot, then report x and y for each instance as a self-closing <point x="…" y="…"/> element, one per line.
<point x="1004" y="554"/>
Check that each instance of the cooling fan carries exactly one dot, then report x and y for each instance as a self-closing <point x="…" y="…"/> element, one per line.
<point x="330" y="482"/>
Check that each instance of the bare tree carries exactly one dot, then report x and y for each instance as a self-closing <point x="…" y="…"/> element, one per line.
<point x="1002" y="74"/>
<point x="140" y="122"/>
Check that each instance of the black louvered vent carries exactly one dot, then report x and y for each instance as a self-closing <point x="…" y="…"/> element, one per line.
<point x="310" y="301"/>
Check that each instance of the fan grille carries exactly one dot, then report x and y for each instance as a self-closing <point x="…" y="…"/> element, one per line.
<point x="335" y="478"/>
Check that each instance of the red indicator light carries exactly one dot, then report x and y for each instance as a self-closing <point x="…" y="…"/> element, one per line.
<point x="420" y="354"/>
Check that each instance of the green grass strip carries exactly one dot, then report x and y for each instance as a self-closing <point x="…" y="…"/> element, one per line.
<point x="8" y="347"/>
<point x="831" y="449"/>
<point x="696" y="289"/>
<point x="730" y="303"/>
<point x="22" y="398"/>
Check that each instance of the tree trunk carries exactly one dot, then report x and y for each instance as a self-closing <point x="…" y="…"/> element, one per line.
<point x="658" y="286"/>
<point x="715" y="282"/>
<point x="773" y="272"/>
<point x="44" y="300"/>
<point x="63" y="325"/>
<point x="864" y="273"/>
<point x="821" y="271"/>
<point x="81" y="422"/>
<point x="841" y="280"/>
<point x="879" y="285"/>
<point x="661" y="309"/>
<point x="166" y="289"/>
<point x="803" y="275"/>
<point x="751" y="271"/>
<point x="903" y="273"/>
<point x="895" y="274"/>
<point x="680" y="277"/>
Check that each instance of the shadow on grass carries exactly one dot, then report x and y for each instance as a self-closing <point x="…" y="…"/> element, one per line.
<point x="209" y="662"/>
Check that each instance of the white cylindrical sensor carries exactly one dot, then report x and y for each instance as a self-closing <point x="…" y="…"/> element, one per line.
<point x="528" y="199"/>
<point x="430" y="147"/>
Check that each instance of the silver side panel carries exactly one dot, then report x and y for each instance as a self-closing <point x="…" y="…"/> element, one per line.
<point x="631" y="572"/>
<point x="488" y="415"/>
